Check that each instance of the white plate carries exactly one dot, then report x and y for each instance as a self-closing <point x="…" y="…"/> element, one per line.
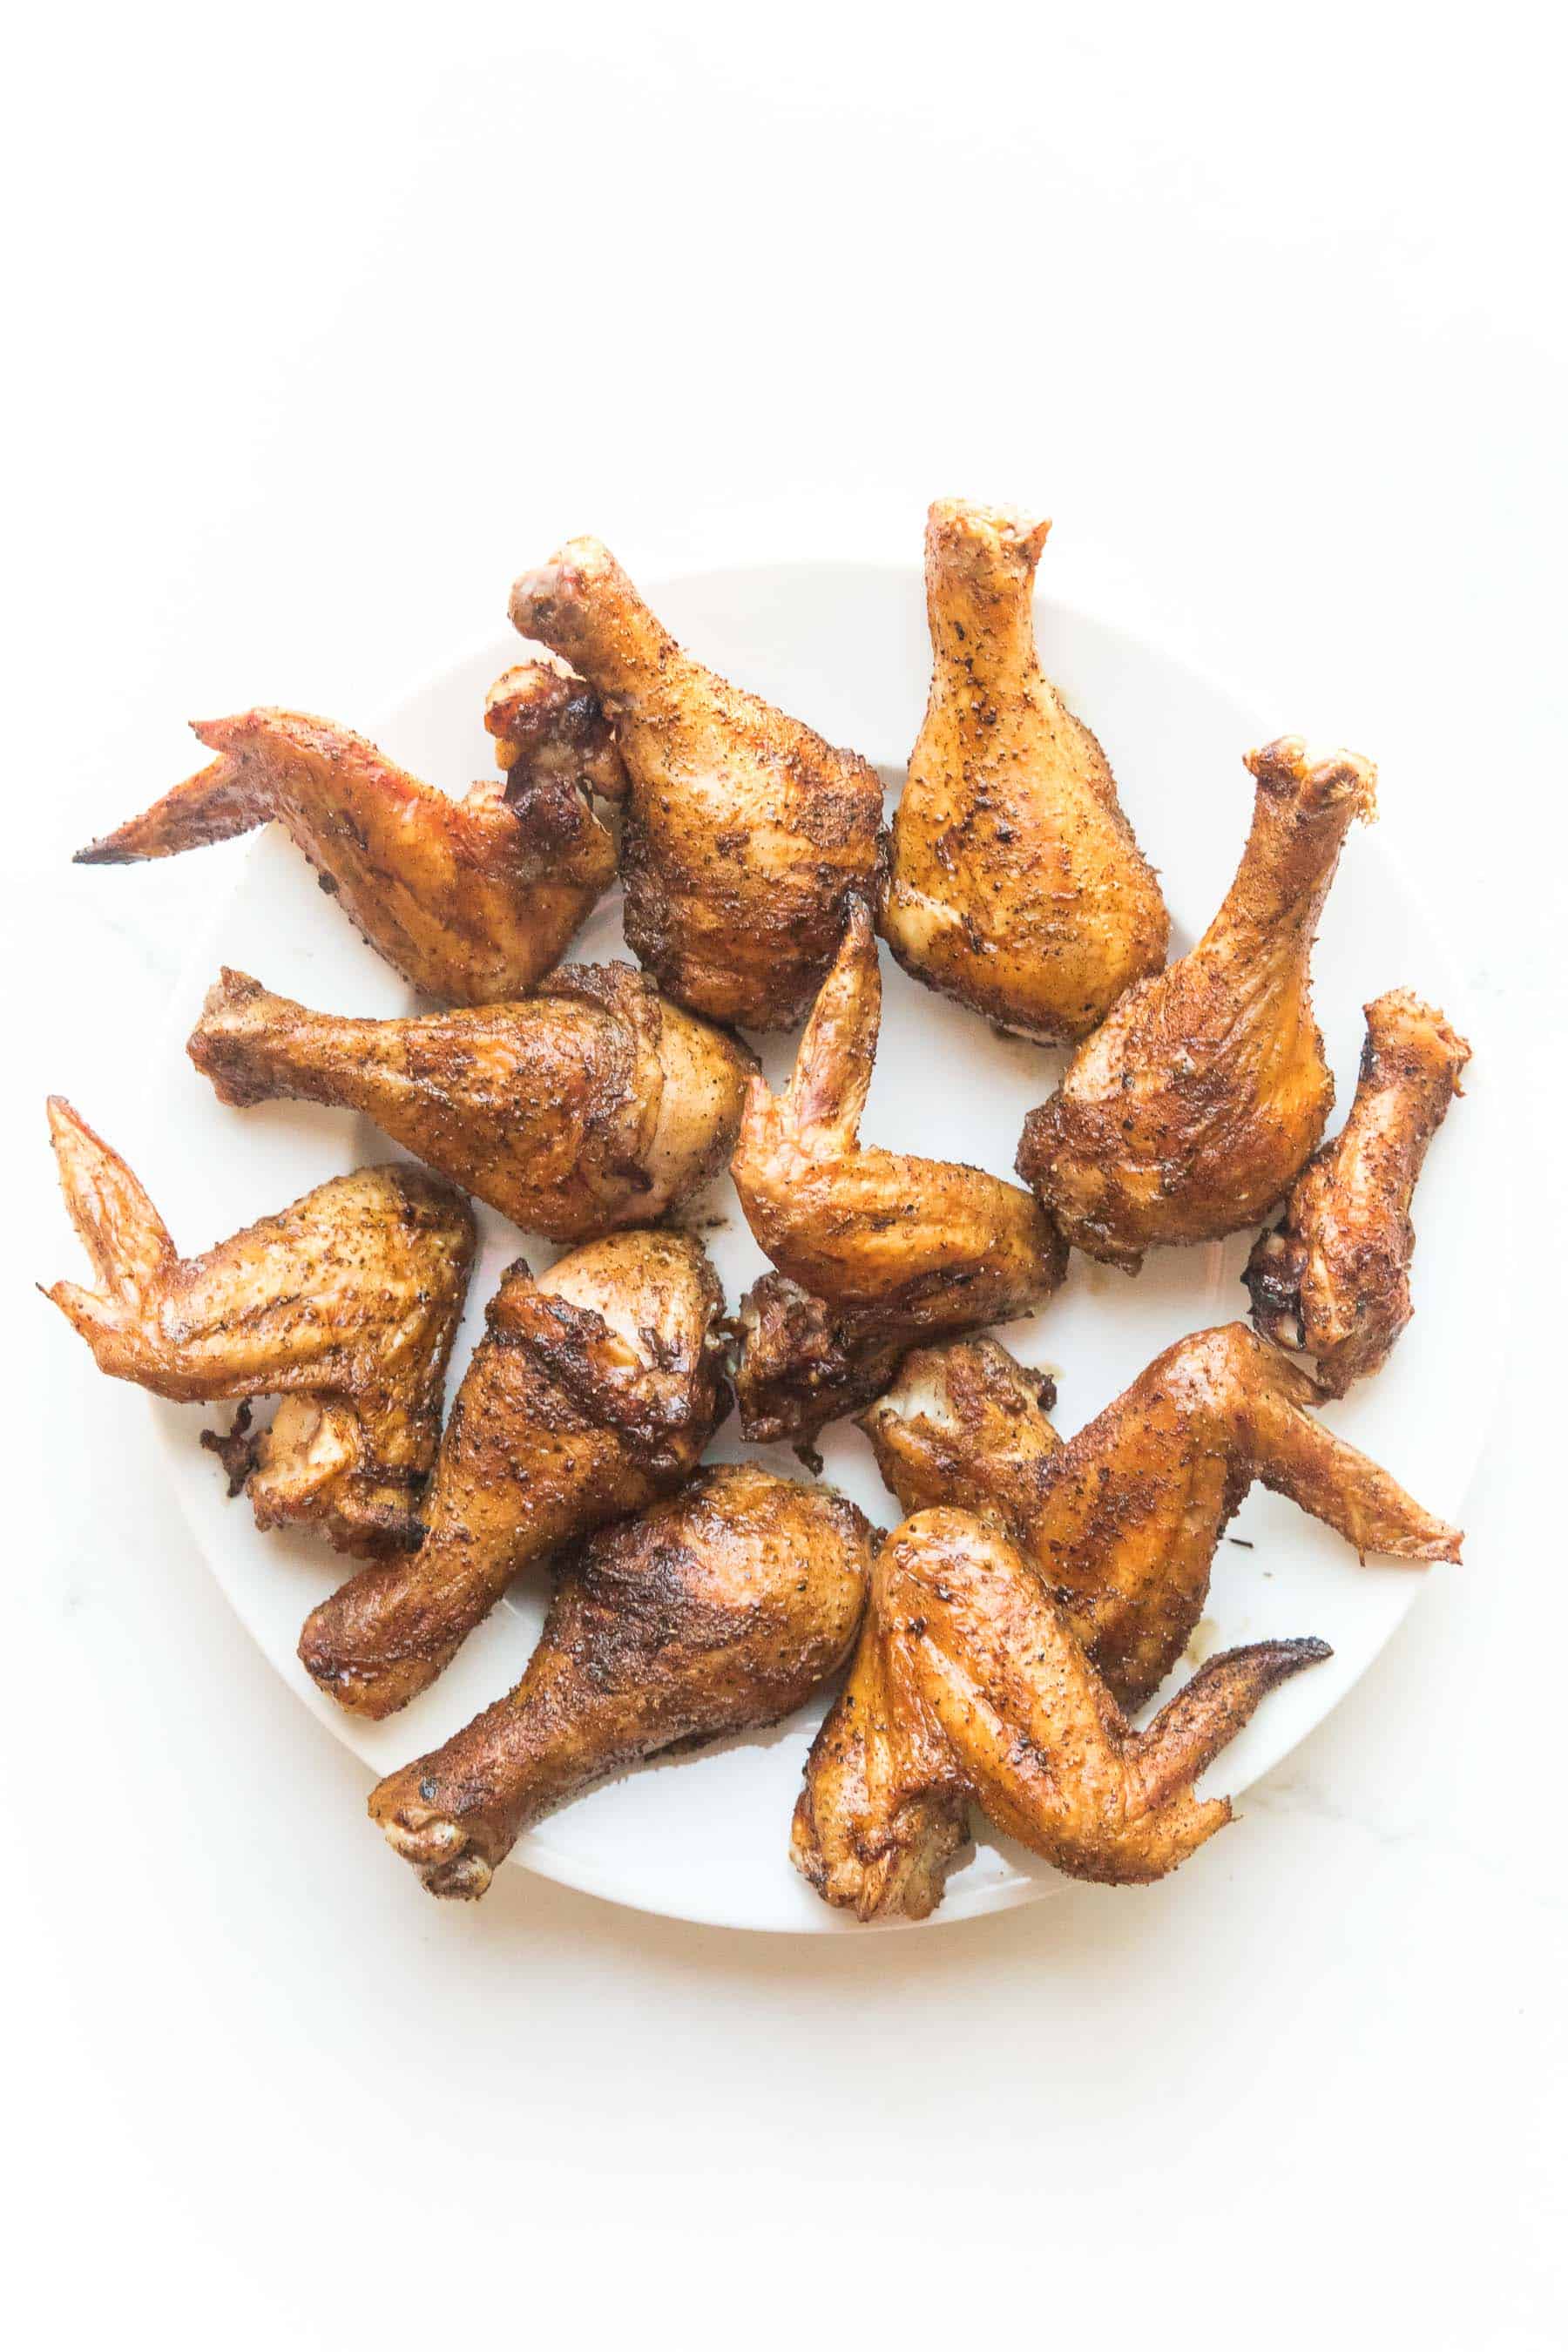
<point x="844" y="645"/>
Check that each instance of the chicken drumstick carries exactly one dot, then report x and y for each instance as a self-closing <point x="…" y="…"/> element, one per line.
<point x="591" y="1104"/>
<point x="1333" y="1277"/>
<point x="745" y="834"/>
<point x="719" y="1611"/>
<point x="1187" y="1115"/>
<point x="595" y="1387"/>
<point x="1014" y="883"/>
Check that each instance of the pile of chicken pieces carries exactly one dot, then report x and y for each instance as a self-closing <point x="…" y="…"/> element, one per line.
<point x="1002" y="1640"/>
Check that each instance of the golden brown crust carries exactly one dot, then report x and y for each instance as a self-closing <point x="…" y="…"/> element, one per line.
<point x="980" y="1654"/>
<point x="1333" y="1277"/>
<point x="883" y="1811"/>
<point x="968" y="1685"/>
<point x="1122" y="1522"/>
<point x="344" y="1305"/>
<point x="745" y="835"/>
<point x="1119" y="1527"/>
<point x="591" y="1105"/>
<point x="1015" y="882"/>
<point x="1188" y="1113"/>
<point x="718" y="1610"/>
<point x="897" y="1248"/>
<point x="595" y="1390"/>
<point x="471" y="900"/>
<point x="965" y="1425"/>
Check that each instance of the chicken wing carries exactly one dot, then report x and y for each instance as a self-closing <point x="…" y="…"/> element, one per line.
<point x="1188" y="1114"/>
<point x="590" y="1105"/>
<point x="1122" y="1522"/>
<point x="1121" y="1525"/>
<point x="982" y="1656"/>
<point x="965" y="1425"/>
<point x="1015" y="882"/>
<point x="883" y="1811"/>
<point x="471" y="900"/>
<point x="745" y="835"/>
<point x="717" y="1612"/>
<point x="344" y="1306"/>
<point x="1333" y="1277"/>
<point x="594" y="1390"/>
<point x="898" y="1248"/>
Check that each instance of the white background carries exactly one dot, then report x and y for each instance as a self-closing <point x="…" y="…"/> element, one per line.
<point x="328" y="322"/>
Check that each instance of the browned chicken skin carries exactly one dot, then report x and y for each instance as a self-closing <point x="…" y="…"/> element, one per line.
<point x="717" y="1612"/>
<point x="1122" y="1521"/>
<point x="745" y="834"/>
<point x="591" y="1104"/>
<point x="898" y="1248"/>
<point x="883" y="1812"/>
<point x="1189" y="1112"/>
<point x="1333" y="1278"/>
<point x="1015" y="882"/>
<point x="966" y="1424"/>
<point x="1121" y="1524"/>
<point x="881" y="1815"/>
<point x="595" y="1390"/>
<point x="987" y="1663"/>
<point x="344" y="1306"/>
<point x="471" y="900"/>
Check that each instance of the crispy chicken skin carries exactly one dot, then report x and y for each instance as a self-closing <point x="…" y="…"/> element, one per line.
<point x="745" y="834"/>
<point x="883" y="1811"/>
<point x="985" y="1661"/>
<point x="471" y="900"/>
<point x="1015" y="882"/>
<point x="1124" y="1520"/>
<point x="719" y="1611"/>
<point x="1189" y="1113"/>
<point x="900" y="1248"/>
<point x="965" y="1425"/>
<point x="1120" y="1527"/>
<point x="1333" y="1277"/>
<point x="594" y="1390"/>
<point x="591" y="1104"/>
<point x="344" y="1306"/>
